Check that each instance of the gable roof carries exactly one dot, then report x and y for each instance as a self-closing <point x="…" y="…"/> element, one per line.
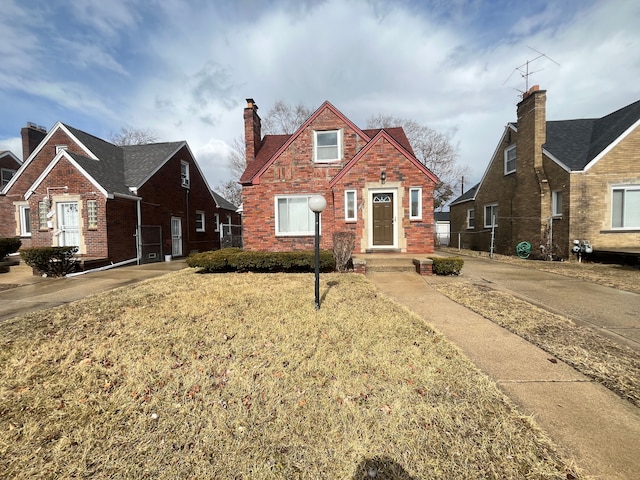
<point x="467" y="196"/>
<point x="579" y="143"/>
<point x="383" y="134"/>
<point x="441" y="216"/>
<point x="272" y="146"/>
<point x="222" y="202"/>
<point x="261" y="163"/>
<point x="116" y="169"/>
<point x="7" y="153"/>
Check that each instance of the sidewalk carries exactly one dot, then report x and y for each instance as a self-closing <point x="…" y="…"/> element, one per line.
<point x="591" y="425"/>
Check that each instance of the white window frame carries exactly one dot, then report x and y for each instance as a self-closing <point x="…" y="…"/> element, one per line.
<point x="338" y="146"/>
<point x="61" y="148"/>
<point x="200" y="219"/>
<point x="185" y="180"/>
<point x="3" y="176"/>
<point x="25" y="219"/>
<point x="493" y="207"/>
<point x="351" y="197"/>
<point x="296" y="233"/>
<point x="415" y="215"/>
<point x="216" y="222"/>
<point x="507" y="151"/>
<point x="471" y="218"/>
<point x="556" y="203"/>
<point x="623" y="206"/>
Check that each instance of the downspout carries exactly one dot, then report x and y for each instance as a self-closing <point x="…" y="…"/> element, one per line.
<point x="139" y="231"/>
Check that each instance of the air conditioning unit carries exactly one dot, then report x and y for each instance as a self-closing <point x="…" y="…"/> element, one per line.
<point x="185" y="182"/>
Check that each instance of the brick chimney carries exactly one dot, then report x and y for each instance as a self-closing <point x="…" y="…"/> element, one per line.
<point x="32" y="135"/>
<point x="532" y="125"/>
<point x="252" y="130"/>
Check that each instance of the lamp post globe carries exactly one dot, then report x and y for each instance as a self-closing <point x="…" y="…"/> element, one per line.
<point x="317" y="204"/>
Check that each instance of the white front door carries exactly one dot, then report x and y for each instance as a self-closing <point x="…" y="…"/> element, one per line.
<point x="68" y="224"/>
<point x="176" y="237"/>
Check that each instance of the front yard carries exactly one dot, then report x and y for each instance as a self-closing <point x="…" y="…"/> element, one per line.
<point x="237" y="376"/>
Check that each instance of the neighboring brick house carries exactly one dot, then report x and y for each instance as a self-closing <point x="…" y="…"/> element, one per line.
<point x="552" y="182"/>
<point x="138" y="202"/>
<point x="373" y="184"/>
<point x="9" y="165"/>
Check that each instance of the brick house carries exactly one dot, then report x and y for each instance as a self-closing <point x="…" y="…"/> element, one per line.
<point x="138" y="202"/>
<point x="9" y="165"/>
<point x="373" y="184"/>
<point x="552" y="182"/>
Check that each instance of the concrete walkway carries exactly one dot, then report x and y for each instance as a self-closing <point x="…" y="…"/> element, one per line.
<point x="591" y="425"/>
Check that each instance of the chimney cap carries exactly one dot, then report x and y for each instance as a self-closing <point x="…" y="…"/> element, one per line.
<point x="36" y="127"/>
<point x="251" y="103"/>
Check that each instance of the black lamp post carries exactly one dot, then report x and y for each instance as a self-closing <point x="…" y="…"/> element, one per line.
<point x="317" y="204"/>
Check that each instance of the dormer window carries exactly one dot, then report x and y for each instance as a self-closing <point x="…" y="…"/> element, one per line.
<point x="184" y="174"/>
<point x="327" y="146"/>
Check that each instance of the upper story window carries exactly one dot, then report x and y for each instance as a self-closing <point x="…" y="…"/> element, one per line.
<point x="415" y="203"/>
<point x="5" y="176"/>
<point x="327" y="146"/>
<point x="491" y="215"/>
<point x="350" y="205"/>
<point x="625" y="212"/>
<point x="510" y="160"/>
<point x="471" y="218"/>
<point x="184" y="174"/>
<point x="556" y="203"/>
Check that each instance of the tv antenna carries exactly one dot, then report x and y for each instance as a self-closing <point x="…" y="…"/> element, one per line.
<point x="525" y="72"/>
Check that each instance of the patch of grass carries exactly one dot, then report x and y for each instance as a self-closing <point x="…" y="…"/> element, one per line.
<point x="615" y="366"/>
<point x="237" y="376"/>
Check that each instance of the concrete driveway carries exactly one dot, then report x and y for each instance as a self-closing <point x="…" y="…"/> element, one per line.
<point x="22" y="292"/>
<point x="613" y="313"/>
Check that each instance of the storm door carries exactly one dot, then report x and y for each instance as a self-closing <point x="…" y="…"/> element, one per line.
<point x="176" y="236"/>
<point x="68" y="224"/>
<point x="382" y="205"/>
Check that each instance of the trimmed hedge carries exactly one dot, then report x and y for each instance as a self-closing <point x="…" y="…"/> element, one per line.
<point x="9" y="246"/>
<point x="237" y="260"/>
<point x="447" y="266"/>
<point x="52" y="261"/>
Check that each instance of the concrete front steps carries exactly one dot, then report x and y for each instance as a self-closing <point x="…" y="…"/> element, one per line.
<point x="393" y="262"/>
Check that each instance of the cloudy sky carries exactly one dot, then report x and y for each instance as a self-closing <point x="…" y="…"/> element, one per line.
<point x="184" y="68"/>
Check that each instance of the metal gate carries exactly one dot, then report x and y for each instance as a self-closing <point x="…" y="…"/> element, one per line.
<point x="151" y="243"/>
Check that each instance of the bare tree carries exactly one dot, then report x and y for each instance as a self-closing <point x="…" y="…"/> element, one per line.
<point x="230" y="190"/>
<point x="433" y="149"/>
<point x="133" y="136"/>
<point x="285" y="119"/>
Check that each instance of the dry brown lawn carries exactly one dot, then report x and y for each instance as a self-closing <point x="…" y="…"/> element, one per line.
<point x="237" y="376"/>
<point x="615" y="366"/>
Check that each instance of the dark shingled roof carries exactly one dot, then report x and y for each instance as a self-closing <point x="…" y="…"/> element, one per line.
<point x="222" y="202"/>
<point x="119" y="168"/>
<point x="466" y="196"/>
<point x="441" y="216"/>
<point x="575" y="143"/>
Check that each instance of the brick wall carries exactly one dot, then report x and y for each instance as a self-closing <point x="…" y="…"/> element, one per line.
<point x="295" y="173"/>
<point x="590" y="196"/>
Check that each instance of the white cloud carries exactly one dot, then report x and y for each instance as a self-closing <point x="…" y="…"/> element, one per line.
<point x="184" y="69"/>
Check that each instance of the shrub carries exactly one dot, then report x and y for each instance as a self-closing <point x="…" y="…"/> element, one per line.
<point x="343" y="245"/>
<point x="52" y="261"/>
<point x="8" y="246"/>
<point x="234" y="259"/>
<point x="447" y="266"/>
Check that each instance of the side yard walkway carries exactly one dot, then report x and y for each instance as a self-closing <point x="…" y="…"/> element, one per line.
<point x="592" y="425"/>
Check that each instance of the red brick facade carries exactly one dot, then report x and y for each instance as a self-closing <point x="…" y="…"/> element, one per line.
<point x="291" y="170"/>
<point x="59" y="180"/>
